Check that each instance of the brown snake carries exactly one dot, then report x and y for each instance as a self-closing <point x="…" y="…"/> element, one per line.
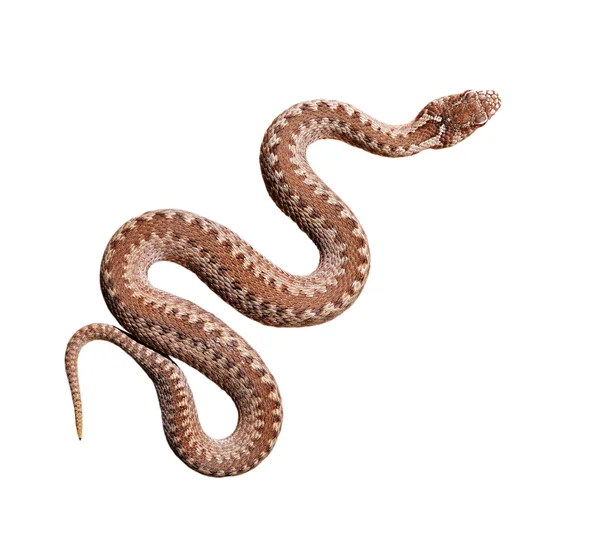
<point x="160" y="325"/>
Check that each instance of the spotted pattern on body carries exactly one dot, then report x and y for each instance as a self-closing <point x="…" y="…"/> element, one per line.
<point x="160" y="326"/>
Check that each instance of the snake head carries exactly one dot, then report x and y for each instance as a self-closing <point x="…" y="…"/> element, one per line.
<point x="460" y="115"/>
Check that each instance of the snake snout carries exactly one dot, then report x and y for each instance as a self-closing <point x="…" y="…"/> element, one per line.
<point x="490" y="103"/>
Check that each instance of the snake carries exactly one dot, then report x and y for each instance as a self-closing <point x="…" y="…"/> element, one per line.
<point x="160" y="328"/>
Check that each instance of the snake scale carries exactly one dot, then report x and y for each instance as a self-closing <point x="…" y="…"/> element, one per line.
<point x="160" y="326"/>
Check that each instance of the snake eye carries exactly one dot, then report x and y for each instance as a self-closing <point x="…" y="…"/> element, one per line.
<point x="480" y="120"/>
<point x="469" y="94"/>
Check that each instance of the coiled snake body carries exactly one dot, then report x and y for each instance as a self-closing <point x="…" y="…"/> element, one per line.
<point x="160" y="325"/>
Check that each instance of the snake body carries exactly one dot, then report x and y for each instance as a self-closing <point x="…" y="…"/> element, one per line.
<point x="161" y="326"/>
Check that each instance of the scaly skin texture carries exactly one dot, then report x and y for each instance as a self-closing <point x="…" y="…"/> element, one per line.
<point x="161" y="325"/>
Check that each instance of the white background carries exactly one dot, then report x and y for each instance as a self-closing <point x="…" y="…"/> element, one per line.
<point x="457" y="399"/>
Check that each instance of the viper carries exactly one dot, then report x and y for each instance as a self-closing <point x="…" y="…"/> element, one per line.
<point x="160" y="327"/>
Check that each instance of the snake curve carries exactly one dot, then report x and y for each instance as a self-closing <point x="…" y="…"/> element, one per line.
<point x="161" y="326"/>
